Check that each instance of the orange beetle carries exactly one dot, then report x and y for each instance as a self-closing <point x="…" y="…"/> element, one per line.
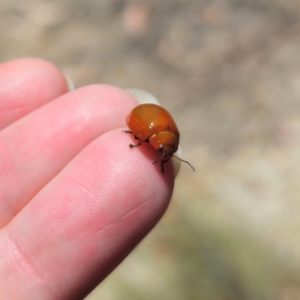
<point x="153" y="124"/>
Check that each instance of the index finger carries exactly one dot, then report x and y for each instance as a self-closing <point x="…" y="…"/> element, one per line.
<point x="82" y="224"/>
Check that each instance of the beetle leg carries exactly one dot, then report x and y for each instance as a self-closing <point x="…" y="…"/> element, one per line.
<point x="130" y="132"/>
<point x="156" y="161"/>
<point x="135" y="137"/>
<point x="162" y="164"/>
<point x="135" y="145"/>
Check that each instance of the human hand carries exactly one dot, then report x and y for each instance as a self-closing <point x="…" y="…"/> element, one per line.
<point x="74" y="198"/>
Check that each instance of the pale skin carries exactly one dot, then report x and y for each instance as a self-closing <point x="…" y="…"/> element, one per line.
<point x="74" y="198"/>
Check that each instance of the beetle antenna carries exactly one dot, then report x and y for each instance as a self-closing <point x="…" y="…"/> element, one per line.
<point x="185" y="162"/>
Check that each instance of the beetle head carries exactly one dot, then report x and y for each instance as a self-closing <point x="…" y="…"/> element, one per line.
<point x="165" y="142"/>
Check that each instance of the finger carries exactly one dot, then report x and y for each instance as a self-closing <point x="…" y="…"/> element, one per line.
<point x="85" y="221"/>
<point x="37" y="147"/>
<point x="25" y="85"/>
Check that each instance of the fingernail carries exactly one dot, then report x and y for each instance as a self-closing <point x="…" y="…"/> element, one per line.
<point x="142" y="96"/>
<point x="145" y="97"/>
<point x="70" y="83"/>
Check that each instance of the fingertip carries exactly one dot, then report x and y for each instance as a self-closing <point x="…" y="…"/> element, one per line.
<point x="139" y="160"/>
<point x="25" y="85"/>
<point x="34" y="68"/>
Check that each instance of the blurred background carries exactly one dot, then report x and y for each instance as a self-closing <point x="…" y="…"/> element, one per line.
<point x="229" y="73"/>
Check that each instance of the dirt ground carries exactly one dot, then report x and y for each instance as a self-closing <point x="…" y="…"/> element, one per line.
<point x="229" y="72"/>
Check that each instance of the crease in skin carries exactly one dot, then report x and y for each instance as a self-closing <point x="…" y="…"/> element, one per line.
<point x="17" y="109"/>
<point x="6" y="210"/>
<point x="122" y="218"/>
<point x="84" y="189"/>
<point x="13" y="294"/>
<point x="6" y="150"/>
<point x="14" y="109"/>
<point x="7" y="167"/>
<point x="119" y="222"/>
<point x="26" y="267"/>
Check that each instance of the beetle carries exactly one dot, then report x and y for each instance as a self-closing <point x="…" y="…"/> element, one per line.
<point x="153" y="124"/>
